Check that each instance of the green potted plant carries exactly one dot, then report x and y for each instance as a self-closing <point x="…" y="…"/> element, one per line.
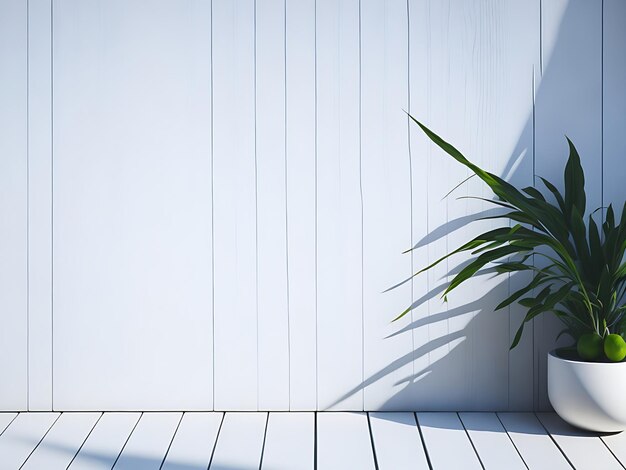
<point x="578" y="275"/>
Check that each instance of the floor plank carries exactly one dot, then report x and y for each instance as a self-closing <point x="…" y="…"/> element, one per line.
<point x="397" y="441"/>
<point x="617" y="444"/>
<point x="492" y="443"/>
<point x="533" y="442"/>
<point x="5" y="420"/>
<point x="22" y="437"/>
<point x="105" y="442"/>
<point x="343" y="441"/>
<point x="188" y="441"/>
<point x="290" y="442"/>
<point x="62" y="442"/>
<point x="194" y="442"/>
<point x="147" y="445"/>
<point x="240" y="442"/>
<point x="443" y="432"/>
<point x="583" y="449"/>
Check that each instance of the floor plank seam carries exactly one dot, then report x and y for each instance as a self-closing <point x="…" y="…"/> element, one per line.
<point x="40" y="440"/>
<point x="512" y="441"/>
<point x="267" y="422"/>
<point x="85" y="440"/>
<point x="611" y="451"/>
<point x="480" y="461"/>
<point x="126" y="441"/>
<point x="217" y="436"/>
<point x="369" y="426"/>
<point x="171" y="441"/>
<point x="9" y="424"/>
<point x="419" y="428"/>
<point x="554" y="440"/>
<point x="613" y="454"/>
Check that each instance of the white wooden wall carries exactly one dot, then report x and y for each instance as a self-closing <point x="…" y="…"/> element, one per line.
<point x="202" y="201"/>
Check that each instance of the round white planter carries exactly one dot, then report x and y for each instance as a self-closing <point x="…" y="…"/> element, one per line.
<point x="588" y="395"/>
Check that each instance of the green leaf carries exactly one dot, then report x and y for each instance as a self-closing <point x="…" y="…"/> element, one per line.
<point x="595" y="245"/>
<point x="531" y="191"/>
<point x="555" y="192"/>
<point x="471" y="245"/>
<point x="574" y="182"/>
<point x="530" y="302"/>
<point x="502" y="189"/>
<point x="518" y="336"/>
<point x="487" y="257"/>
<point x="580" y="237"/>
<point x="536" y="281"/>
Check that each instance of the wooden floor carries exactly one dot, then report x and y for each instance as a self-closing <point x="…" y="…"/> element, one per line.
<point x="276" y="441"/>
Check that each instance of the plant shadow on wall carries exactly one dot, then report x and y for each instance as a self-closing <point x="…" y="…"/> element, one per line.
<point x="439" y="384"/>
<point x="576" y="268"/>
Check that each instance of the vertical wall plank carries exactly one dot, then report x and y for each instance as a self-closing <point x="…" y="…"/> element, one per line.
<point x="234" y="193"/>
<point x="301" y="204"/>
<point x="271" y="204"/>
<point x="522" y="28"/>
<point x="339" y="217"/>
<point x="13" y="206"/>
<point x="419" y="49"/>
<point x="40" y="205"/>
<point x="569" y="101"/>
<point x="444" y="111"/>
<point x="388" y="352"/>
<point x="132" y="198"/>
<point x="614" y="103"/>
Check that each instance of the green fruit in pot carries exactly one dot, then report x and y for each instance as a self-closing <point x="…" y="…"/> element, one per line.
<point x="589" y="346"/>
<point x="615" y="347"/>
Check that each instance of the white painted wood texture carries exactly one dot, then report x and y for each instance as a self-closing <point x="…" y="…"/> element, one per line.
<point x="194" y="441"/>
<point x="147" y="446"/>
<point x="491" y="441"/>
<point x="301" y="202"/>
<point x="21" y="438"/>
<point x="235" y="207"/>
<point x="386" y="192"/>
<point x="132" y="219"/>
<point x="584" y="450"/>
<point x="533" y="442"/>
<point x="105" y="442"/>
<point x="247" y="166"/>
<point x="40" y="205"/>
<point x="273" y="309"/>
<point x="60" y="445"/>
<point x="463" y="93"/>
<point x="13" y="206"/>
<point x="240" y="443"/>
<point x="445" y="378"/>
<point x="289" y="441"/>
<point x="397" y="441"/>
<point x="343" y="441"/>
<point x="339" y="208"/>
<point x="418" y="21"/>
<point x="441" y="433"/>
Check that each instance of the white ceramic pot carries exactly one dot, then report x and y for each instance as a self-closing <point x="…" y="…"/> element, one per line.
<point x="588" y="395"/>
